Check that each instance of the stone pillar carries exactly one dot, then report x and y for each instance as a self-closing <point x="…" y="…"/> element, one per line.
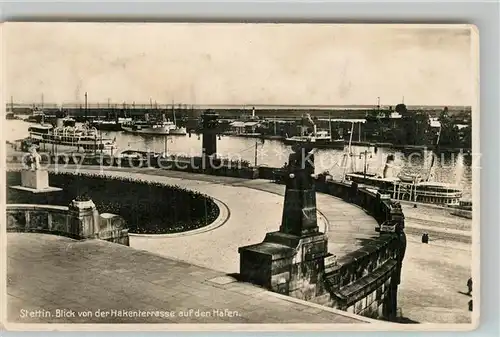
<point x="85" y="222"/>
<point x="353" y="192"/>
<point x="112" y="228"/>
<point x="291" y="260"/>
<point x="84" y="219"/>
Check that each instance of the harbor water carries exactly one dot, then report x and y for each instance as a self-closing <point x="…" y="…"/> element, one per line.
<point x="452" y="168"/>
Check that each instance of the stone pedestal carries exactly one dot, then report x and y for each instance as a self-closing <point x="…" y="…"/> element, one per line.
<point x="291" y="260"/>
<point x="287" y="264"/>
<point x="86" y="223"/>
<point x="84" y="218"/>
<point x="112" y="228"/>
<point x="35" y="181"/>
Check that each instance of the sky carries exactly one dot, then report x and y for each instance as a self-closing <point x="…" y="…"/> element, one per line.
<point x="297" y="64"/>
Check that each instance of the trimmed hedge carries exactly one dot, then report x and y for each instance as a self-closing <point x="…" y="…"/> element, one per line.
<point x="147" y="207"/>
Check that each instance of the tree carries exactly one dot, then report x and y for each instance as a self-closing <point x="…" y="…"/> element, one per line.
<point x="449" y="131"/>
<point x="467" y="135"/>
<point x="401" y="109"/>
<point x="421" y="127"/>
<point x="415" y="125"/>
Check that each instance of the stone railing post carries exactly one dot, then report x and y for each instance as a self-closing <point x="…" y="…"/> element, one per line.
<point x="27" y="219"/>
<point x="84" y="218"/>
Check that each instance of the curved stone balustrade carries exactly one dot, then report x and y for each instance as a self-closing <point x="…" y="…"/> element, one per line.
<point x="362" y="281"/>
<point x="67" y="221"/>
<point x="40" y="218"/>
<point x="365" y="281"/>
<point x="153" y="208"/>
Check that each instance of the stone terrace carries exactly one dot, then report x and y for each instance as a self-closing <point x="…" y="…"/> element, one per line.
<point x="51" y="272"/>
<point x="255" y="209"/>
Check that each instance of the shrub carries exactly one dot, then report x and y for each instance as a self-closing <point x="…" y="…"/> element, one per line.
<point x="147" y="207"/>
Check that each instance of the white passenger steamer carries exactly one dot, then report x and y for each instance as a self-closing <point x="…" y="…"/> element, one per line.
<point x="415" y="190"/>
<point x="67" y="137"/>
<point x="407" y="187"/>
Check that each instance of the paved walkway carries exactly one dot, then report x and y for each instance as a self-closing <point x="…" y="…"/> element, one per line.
<point x="118" y="284"/>
<point x="434" y="279"/>
<point x="437" y="217"/>
<point x="255" y="208"/>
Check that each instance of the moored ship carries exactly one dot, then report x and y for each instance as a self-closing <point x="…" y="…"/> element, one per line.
<point x="406" y="187"/>
<point x="154" y="127"/>
<point x="178" y="131"/>
<point x="36" y="117"/>
<point x="67" y="137"/>
<point x="149" y="127"/>
<point x="110" y="125"/>
<point x="10" y="116"/>
<point x="417" y="190"/>
<point x="318" y="140"/>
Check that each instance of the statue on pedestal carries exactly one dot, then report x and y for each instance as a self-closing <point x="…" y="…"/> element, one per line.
<point x="34" y="158"/>
<point x="298" y="249"/>
<point x="300" y="168"/>
<point x="299" y="212"/>
<point x="34" y="179"/>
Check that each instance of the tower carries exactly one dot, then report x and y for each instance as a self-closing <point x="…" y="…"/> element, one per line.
<point x="209" y="142"/>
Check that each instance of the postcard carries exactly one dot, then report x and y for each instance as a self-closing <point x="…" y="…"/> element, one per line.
<point x="240" y="176"/>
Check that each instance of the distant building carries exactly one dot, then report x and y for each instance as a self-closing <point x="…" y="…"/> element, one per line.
<point x="239" y="127"/>
<point x="434" y="122"/>
<point x="395" y="115"/>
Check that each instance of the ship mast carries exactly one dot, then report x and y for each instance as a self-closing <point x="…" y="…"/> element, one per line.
<point x="330" y="125"/>
<point x="173" y="111"/>
<point x="349" y="154"/>
<point x="86" y="106"/>
<point x="429" y="173"/>
<point x="365" y="166"/>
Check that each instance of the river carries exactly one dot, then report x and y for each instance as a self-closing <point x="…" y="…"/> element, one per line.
<point x="449" y="168"/>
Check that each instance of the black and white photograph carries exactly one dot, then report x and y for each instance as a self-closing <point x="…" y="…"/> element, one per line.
<point x="240" y="176"/>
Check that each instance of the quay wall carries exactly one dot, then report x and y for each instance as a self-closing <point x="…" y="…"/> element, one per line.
<point x="214" y="166"/>
<point x="366" y="281"/>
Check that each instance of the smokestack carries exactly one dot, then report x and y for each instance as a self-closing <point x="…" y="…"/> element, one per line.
<point x="390" y="158"/>
<point x="253" y="112"/>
